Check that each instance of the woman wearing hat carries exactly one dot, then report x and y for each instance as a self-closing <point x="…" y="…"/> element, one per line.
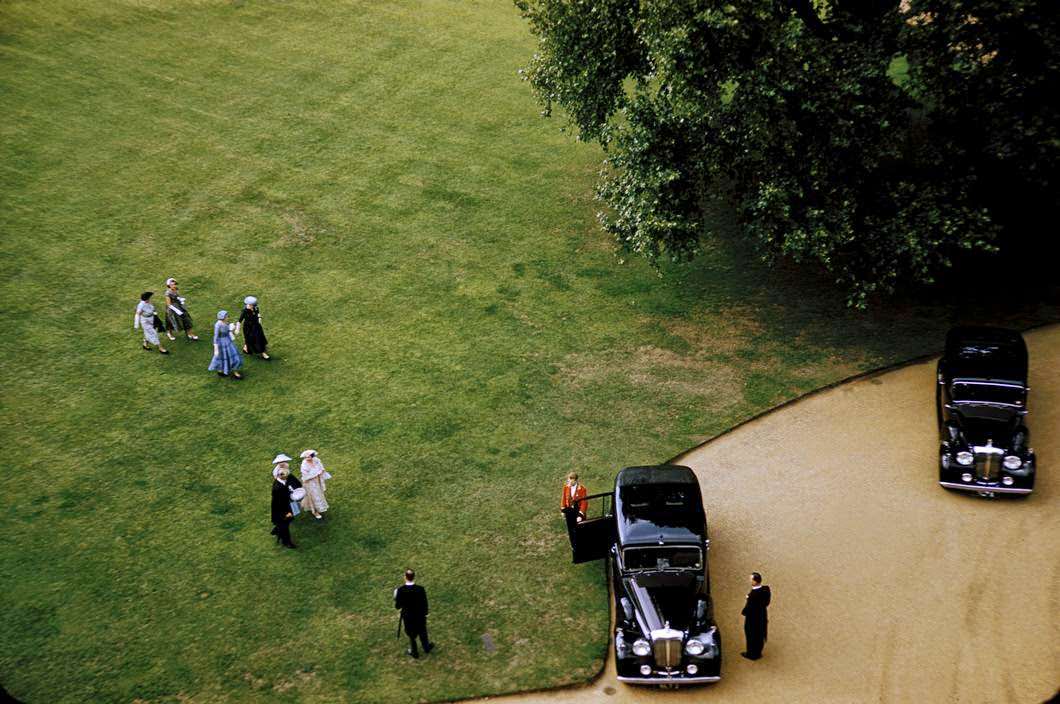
<point x="177" y="315"/>
<point x="254" y="341"/>
<point x="226" y="359"/>
<point x="284" y="506"/>
<point x="145" y="318"/>
<point x="313" y="478"/>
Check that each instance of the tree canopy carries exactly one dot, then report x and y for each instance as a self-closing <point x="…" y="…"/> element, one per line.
<point x="793" y="110"/>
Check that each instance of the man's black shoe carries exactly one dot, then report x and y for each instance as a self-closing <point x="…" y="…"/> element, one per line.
<point x="415" y="655"/>
<point x="428" y="648"/>
<point x="751" y="657"/>
<point x="290" y="545"/>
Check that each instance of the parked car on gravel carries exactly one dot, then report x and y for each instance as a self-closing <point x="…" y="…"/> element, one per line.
<point x="653" y="530"/>
<point x="981" y="402"/>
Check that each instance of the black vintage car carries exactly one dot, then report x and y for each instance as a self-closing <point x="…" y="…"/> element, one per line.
<point x="653" y="530"/>
<point x="981" y="400"/>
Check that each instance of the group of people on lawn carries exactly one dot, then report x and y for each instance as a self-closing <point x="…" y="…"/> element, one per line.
<point x="291" y="495"/>
<point x="226" y="359"/>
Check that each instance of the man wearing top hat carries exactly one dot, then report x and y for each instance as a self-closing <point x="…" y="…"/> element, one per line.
<point x="282" y="513"/>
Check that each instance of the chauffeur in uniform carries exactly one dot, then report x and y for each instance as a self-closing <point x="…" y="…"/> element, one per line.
<point x="573" y="505"/>
<point x="411" y="598"/>
<point x="756" y="620"/>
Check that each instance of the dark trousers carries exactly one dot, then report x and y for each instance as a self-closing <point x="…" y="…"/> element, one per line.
<point x="422" y="635"/>
<point x="571" y="514"/>
<point x="756" y="638"/>
<point x="282" y="531"/>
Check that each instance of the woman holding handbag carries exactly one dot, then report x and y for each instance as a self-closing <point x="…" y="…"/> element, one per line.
<point x="314" y="477"/>
<point x="145" y="318"/>
<point x="226" y="359"/>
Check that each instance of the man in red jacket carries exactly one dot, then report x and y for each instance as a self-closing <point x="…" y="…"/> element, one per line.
<point x="573" y="504"/>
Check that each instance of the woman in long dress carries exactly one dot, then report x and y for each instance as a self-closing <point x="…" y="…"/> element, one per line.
<point x="313" y="481"/>
<point x="226" y="359"/>
<point x="177" y="316"/>
<point x="144" y="318"/>
<point x="254" y="341"/>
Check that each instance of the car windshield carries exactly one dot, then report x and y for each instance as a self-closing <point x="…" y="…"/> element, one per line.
<point x="662" y="558"/>
<point x="982" y="351"/>
<point x="964" y="391"/>
<point x="651" y="500"/>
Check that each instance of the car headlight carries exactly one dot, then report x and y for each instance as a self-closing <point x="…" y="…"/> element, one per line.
<point x="641" y="647"/>
<point x="695" y="647"/>
<point x="1013" y="462"/>
<point x="964" y="457"/>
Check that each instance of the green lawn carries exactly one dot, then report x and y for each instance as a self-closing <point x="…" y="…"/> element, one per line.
<point x="451" y="331"/>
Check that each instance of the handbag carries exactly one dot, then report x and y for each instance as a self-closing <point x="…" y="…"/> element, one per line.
<point x="297" y="494"/>
<point x="157" y="322"/>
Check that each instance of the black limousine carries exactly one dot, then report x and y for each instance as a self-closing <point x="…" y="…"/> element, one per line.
<point x="981" y="404"/>
<point x="653" y="530"/>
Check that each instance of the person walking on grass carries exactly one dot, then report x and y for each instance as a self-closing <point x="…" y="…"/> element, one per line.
<point x="177" y="316"/>
<point x="411" y="599"/>
<point x="755" y="618"/>
<point x="314" y="477"/>
<point x="283" y="508"/>
<point x="226" y="359"/>
<point x="254" y="341"/>
<point x="145" y="318"/>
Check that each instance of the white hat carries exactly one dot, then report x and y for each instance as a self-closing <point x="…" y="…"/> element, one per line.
<point x="250" y="301"/>
<point x="170" y="280"/>
<point x="280" y="458"/>
<point x="308" y="453"/>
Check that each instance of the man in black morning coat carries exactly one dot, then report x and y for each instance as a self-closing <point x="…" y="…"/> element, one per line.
<point x="411" y="598"/>
<point x="756" y="620"/>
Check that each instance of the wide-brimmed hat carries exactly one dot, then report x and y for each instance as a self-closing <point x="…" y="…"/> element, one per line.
<point x="250" y="301"/>
<point x="170" y="280"/>
<point x="280" y="458"/>
<point x="308" y="453"/>
<point x="222" y="314"/>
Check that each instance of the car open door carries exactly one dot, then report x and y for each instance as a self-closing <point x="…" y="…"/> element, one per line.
<point x="594" y="536"/>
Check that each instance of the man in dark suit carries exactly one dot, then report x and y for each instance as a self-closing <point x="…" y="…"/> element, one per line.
<point x="411" y="598"/>
<point x="756" y="620"/>
<point x="281" y="505"/>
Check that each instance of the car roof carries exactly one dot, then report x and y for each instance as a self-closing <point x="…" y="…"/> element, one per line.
<point x="680" y="526"/>
<point x="656" y="474"/>
<point x="980" y="352"/>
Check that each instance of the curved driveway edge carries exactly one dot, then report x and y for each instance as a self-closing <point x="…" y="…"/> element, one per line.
<point x="886" y="587"/>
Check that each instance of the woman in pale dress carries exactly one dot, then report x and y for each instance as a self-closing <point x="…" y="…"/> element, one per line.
<point x="144" y="318"/>
<point x="313" y="478"/>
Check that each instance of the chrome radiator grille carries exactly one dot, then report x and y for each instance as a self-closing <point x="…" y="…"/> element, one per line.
<point x="666" y="646"/>
<point x="987" y="463"/>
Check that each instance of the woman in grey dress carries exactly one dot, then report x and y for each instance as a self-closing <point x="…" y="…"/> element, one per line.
<point x="177" y="315"/>
<point x="144" y="318"/>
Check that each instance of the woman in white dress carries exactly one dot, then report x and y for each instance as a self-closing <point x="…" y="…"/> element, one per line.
<point x="313" y="478"/>
<point x="144" y="318"/>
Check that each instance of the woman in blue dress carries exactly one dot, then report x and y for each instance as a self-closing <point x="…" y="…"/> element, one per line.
<point x="226" y="359"/>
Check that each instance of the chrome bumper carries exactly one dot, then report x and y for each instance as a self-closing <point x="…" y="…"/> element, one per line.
<point x="979" y="487"/>
<point x="668" y="680"/>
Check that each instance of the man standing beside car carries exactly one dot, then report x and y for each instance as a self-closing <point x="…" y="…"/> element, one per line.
<point x="573" y="504"/>
<point x="755" y="618"/>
